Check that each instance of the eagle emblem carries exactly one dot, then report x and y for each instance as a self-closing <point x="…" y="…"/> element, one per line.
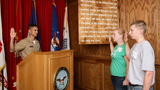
<point x="61" y="80"/>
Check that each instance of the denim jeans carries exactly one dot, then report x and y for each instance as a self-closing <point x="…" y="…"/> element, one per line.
<point x="117" y="83"/>
<point x="137" y="88"/>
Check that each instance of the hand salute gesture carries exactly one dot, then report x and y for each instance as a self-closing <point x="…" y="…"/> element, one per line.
<point x="12" y="33"/>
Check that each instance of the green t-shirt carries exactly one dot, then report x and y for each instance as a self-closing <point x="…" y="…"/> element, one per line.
<point x="118" y="64"/>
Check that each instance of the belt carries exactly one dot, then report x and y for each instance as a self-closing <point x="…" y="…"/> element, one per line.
<point x="134" y="85"/>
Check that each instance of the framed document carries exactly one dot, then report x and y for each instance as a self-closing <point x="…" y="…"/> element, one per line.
<point x="96" y="19"/>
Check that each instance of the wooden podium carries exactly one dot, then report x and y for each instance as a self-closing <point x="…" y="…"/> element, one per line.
<point x="38" y="70"/>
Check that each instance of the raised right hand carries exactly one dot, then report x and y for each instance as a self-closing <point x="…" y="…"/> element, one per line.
<point x="126" y="37"/>
<point x="12" y="33"/>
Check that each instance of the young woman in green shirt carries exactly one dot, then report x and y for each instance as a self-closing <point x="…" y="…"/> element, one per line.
<point x="119" y="61"/>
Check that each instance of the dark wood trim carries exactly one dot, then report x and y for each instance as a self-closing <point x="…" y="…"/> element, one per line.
<point x="70" y="1"/>
<point x="93" y="58"/>
<point x="80" y="88"/>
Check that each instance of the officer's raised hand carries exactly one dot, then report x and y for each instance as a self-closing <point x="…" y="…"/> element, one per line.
<point x="12" y="33"/>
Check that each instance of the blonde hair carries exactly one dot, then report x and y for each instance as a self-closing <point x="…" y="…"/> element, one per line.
<point x="121" y="31"/>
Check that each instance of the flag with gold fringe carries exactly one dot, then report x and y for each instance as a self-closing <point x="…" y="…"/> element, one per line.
<point x="3" y="66"/>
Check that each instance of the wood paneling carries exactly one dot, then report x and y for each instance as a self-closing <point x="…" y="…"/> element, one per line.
<point x="146" y="10"/>
<point x="121" y="6"/>
<point x="94" y="74"/>
<point x="77" y="76"/>
<point x="87" y="50"/>
<point x="107" y="76"/>
<point x="158" y="40"/>
<point x="97" y="56"/>
<point x="157" y="78"/>
<point x="130" y="10"/>
<point x="73" y="25"/>
<point x="91" y="75"/>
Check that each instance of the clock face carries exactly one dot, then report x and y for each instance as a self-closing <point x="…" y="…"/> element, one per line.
<point x="61" y="79"/>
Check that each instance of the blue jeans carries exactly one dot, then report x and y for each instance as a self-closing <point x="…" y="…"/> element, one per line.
<point x="137" y="88"/>
<point x="117" y="83"/>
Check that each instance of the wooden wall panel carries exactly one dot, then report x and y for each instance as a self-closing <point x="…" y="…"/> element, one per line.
<point x="107" y="76"/>
<point x="87" y="50"/>
<point x="149" y="11"/>
<point x="157" y="84"/>
<point x="121" y="7"/>
<point x="157" y="78"/>
<point x="142" y="10"/>
<point x="77" y="75"/>
<point x="94" y="74"/>
<point x="73" y="25"/>
<point x="91" y="71"/>
<point x="158" y="40"/>
<point x="129" y="11"/>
